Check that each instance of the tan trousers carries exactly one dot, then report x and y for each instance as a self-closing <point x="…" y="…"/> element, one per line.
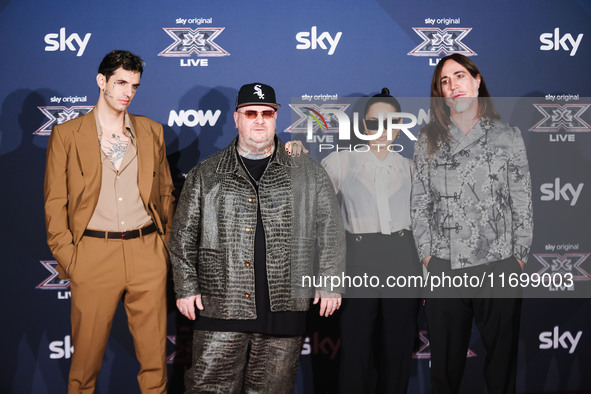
<point x="104" y="272"/>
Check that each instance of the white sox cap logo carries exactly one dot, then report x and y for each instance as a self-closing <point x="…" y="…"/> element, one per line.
<point x="258" y="91"/>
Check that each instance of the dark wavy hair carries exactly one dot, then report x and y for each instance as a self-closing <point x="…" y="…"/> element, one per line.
<point x="118" y="58"/>
<point x="437" y="131"/>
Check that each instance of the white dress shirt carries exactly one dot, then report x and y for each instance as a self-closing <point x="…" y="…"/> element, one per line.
<point x="374" y="194"/>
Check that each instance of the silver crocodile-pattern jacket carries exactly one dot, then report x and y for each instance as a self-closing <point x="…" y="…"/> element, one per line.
<point x="212" y="237"/>
<point x="472" y="203"/>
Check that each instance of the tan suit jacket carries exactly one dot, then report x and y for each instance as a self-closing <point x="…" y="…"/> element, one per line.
<point x="73" y="179"/>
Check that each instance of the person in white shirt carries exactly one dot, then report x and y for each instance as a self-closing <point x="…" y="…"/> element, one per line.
<point x="374" y="189"/>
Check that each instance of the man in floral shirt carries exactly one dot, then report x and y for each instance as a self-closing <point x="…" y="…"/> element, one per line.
<point x="472" y="217"/>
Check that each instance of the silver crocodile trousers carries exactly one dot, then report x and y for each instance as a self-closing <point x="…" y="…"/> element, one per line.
<point x="235" y="362"/>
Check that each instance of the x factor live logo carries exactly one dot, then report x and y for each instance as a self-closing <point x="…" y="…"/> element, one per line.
<point x="564" y="263"/>
<point x="566" y="117"/>
<point x="182" y="344"/>
<point x="59" y="114"/>
<point x="317" y="117"/>
<point x="52" y="282"/>
<point x="199" y="41"/>
<point x="424" y="349"/>
<point x="333" y="118"/>
<point x="446" y="41"/>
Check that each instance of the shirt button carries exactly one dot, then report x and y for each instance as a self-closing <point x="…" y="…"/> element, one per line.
<point x="117" y="176"/>
<point x="251" y="199"/>
<point x="247" y="263"/>
<point x="120" y="199"/>
<point x="122" y="222"/>
<point x="247" y="295"/>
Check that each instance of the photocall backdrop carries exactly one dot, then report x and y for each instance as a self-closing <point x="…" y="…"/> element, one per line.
<point x="197" y="56"/>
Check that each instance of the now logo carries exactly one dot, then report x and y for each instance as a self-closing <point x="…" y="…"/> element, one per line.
<point x="192" y="118"/>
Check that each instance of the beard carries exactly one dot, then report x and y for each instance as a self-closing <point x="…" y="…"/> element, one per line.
<point x="461" y="104"/>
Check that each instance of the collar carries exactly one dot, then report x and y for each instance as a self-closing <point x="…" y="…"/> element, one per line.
<point x="129" y="130"/>
<point x="390" y="163"/>
<point x="391" y="157"/>
<point x="461" y="140"/>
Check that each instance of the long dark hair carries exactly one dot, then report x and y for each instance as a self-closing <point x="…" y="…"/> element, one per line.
<point x="437" y="131"/>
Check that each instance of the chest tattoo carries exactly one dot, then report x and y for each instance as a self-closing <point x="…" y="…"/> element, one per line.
<point x="114" y="147"/>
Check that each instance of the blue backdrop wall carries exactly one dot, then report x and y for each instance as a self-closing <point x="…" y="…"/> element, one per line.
<point x="198" y="54"/>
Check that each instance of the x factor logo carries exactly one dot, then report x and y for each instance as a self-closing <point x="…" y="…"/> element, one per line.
<point x="198" y="41"/>
<point x="437" y="41"/>
<point x="564" y="263"/>
<point x="323" y="117"/>
<point x="170" y="359"/>
<point x="52" y="282"/>
<point x="566" y="117"/>
<point x="182" y="346"/>
<point x="59" y="115"/>
<point x="424" y="350"/>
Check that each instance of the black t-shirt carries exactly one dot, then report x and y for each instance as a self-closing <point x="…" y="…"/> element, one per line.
<point x="267" y="322"/>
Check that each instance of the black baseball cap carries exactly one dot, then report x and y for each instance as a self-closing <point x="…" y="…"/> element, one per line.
<point x="256" y="94"/>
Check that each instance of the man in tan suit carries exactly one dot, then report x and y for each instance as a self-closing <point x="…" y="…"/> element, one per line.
<point x="108" y="211"/>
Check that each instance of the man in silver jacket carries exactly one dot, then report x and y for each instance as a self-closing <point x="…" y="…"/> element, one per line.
<point x="250" y="222"/>
<point x="472" y="218"/>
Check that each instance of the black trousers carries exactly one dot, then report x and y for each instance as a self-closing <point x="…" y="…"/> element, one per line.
<point x="380" y="331"/>
<point x="449" y="322"/>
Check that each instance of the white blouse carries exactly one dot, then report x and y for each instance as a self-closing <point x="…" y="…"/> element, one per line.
<point x="374" y="194"/>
